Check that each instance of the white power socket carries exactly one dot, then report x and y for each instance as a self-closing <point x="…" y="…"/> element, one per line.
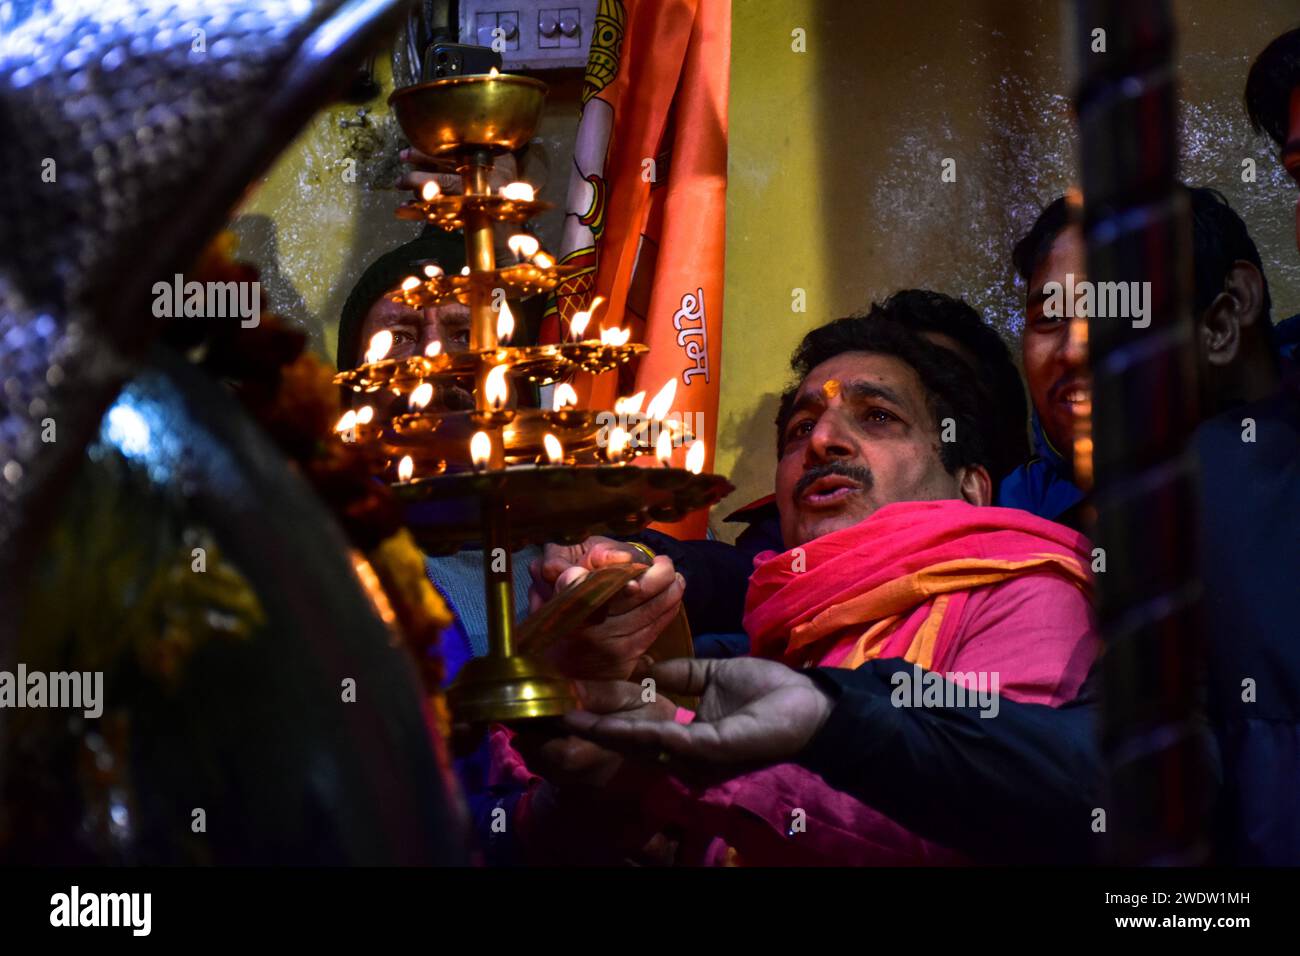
<point x="531" y="34"/>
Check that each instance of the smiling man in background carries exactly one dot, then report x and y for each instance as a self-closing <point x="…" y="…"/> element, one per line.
<point x="1235" y="346"/>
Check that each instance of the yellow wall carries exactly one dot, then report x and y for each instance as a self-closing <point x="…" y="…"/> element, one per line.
<point x="776" y="230"/>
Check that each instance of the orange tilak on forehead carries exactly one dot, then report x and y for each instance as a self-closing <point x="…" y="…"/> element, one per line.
<point x="831" y="388"/>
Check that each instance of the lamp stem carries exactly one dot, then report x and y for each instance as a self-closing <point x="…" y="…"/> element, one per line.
<point x="498" y="573"/>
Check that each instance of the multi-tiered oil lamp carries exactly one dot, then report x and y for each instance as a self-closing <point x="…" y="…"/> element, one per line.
<point x="500" y="476"/>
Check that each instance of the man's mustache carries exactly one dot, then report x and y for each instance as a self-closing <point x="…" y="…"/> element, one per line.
<point x="858" y="473"/>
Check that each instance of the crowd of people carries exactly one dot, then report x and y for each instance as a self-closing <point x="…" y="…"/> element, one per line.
<point x="897" y="660"/>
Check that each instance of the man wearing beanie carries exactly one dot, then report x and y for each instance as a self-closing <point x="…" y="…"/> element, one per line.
<point x="370" y="309"/>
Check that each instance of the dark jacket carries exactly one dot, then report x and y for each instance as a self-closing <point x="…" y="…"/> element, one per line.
<point x="1018" y="788"/>
<point x="1250" y="526"/>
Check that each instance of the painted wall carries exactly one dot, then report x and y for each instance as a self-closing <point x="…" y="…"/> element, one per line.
<point x="835" y="161"/>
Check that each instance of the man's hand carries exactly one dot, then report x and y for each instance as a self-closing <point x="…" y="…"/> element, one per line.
<point x="428" y="168"/>
<point x="549" y="571"/>
<point x="575" y="763"/>
<point x="583" y="792"/>
<point x="610" y="648"/>
<point x="752" y="712"/>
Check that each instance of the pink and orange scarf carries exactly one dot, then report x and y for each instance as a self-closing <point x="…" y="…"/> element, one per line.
<point x="896" y="584"/>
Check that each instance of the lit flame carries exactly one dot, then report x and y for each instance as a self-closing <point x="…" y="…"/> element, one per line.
<point x="662" y="403"/>
<point x="494" y="72"/>
<point x="543" y="260"/>
<point x="523" y="245"/>
<point x="505" y="322"/>
<point x="495" y="388"/>
<point x="347" y="422"/>
<point x="405" y="468"/>
<point x="520" y="192"/>
<point x="380" y="343"/>
<point x="695" y="458"/>
<point x="366" y="415"/>
<point x="596" y="303"/>
<point x="464" y="270"/>
<point x="409" y="283"/>
<point x="433" y="348"/>
<point x="578" y="324"/>
<point x="433" y="270"/>
<point x="664" y="447"/>
<point x="554" y="450"/>
<point x="374" y="590"/>
<point x="422" y="395"/>
<point x="615" y="336"/>
<point x="630" y="405"/>
<point x="565" y="394"/>
<point x="429" y="191"/>
<point x="617" y="442"/>
<point x="480" y="449"/>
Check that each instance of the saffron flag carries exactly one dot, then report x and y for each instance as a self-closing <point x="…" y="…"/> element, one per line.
<point x="646" y="209"/>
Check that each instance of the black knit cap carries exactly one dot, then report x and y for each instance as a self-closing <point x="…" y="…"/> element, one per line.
<point x="447" y="249"/>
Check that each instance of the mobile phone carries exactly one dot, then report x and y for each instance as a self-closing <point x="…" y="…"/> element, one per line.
<point x="458" y="59"/>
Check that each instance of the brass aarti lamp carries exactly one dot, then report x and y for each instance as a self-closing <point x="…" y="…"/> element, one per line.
<point x="500" y="476"/>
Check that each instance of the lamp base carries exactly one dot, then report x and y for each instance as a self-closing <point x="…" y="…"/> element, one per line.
<point x="502" y="689"/>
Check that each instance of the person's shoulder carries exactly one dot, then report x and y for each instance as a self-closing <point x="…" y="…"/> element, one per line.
<point x="1037" y="487"/>
<point x="1040" y="599"/>
<point x="1036" y="631"/>
<point x="1282" y="406"/>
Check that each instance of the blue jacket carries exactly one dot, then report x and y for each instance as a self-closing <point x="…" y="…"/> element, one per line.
<point x="1040" y="486"/>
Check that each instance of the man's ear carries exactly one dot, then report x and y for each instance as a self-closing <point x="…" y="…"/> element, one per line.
<point x="1233" y="310"/>
<point x="976" y="486"/>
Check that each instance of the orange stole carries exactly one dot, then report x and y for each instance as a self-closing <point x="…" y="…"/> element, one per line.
<point x="890" y="604"/>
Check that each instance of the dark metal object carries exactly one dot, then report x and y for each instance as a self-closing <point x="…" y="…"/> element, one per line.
<point x="443" y="436"/>
<point x="448" y="212"/>
<point x="542" y="364"/>
<point x="521" y="280"/>
<point x="465" y="113"/>
<point x="505" y="685"/>
<point x="153" y="141"/>
<point x="365" y="85"/>
<point x="1144" y="408"/>
<point x="429" y="22"/>
<point x="227" y="683"/>
<point x="458" y="59"/>
<point x="554" y="503"/>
